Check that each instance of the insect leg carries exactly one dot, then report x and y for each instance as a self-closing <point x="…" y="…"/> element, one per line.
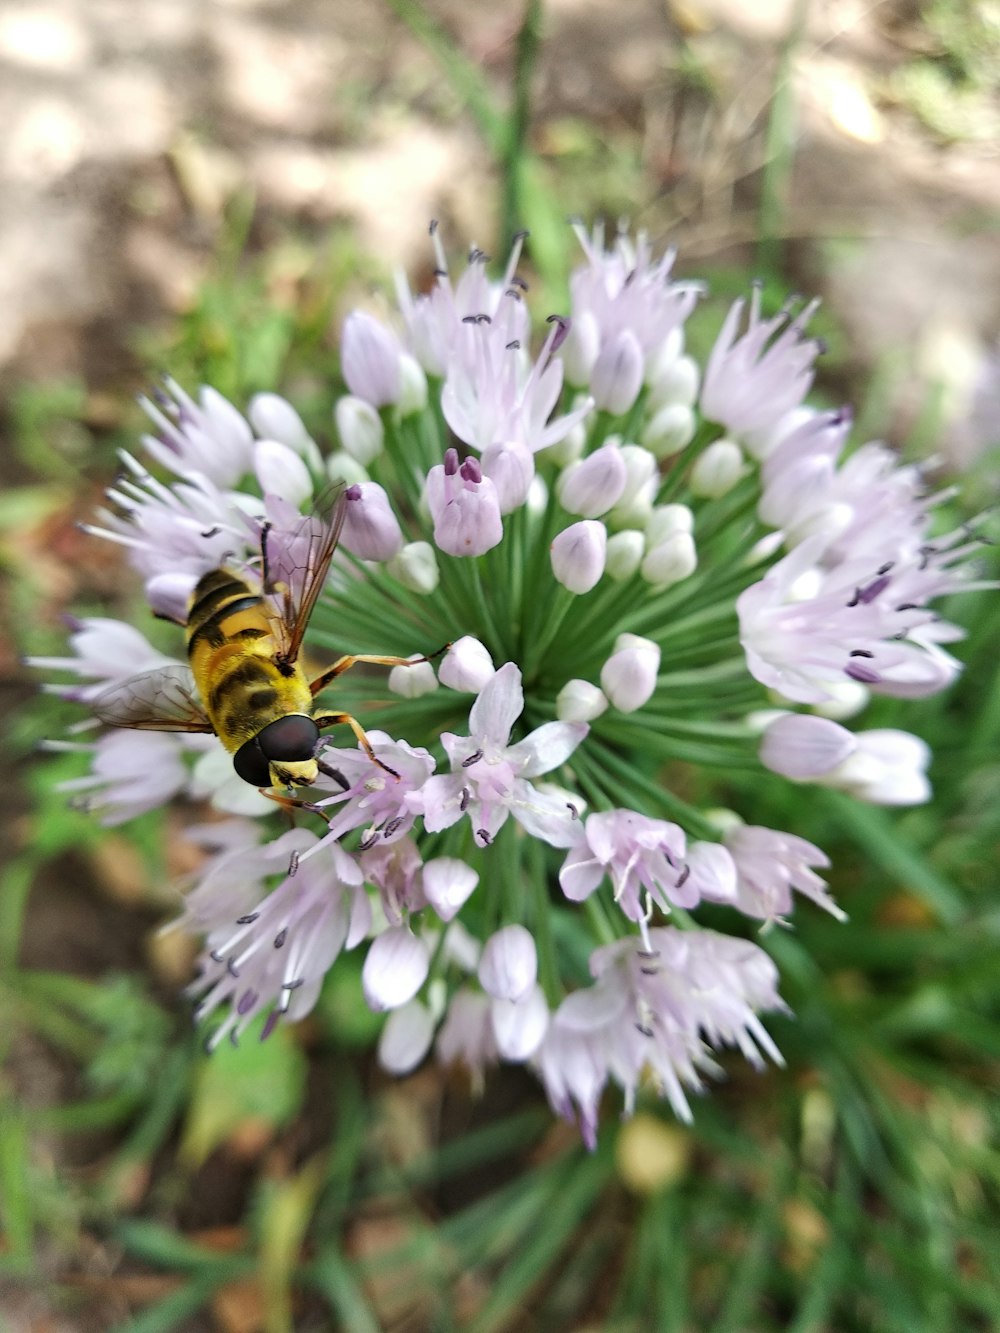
<point x="265" y="573"/>
<point x="334" y="719"/>
<point x="345" y="663"/>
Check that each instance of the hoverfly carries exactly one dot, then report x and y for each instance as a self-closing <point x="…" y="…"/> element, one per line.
<point x="244" y="682"/>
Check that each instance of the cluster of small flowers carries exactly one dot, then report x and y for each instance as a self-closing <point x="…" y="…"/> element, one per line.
<point x="640" y="565"/>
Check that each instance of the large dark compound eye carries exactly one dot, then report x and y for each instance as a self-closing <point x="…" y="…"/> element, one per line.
<point x="292" y="738"/>
<point x="251" y="764"/>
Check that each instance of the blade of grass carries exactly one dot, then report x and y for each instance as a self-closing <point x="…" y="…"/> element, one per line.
<point x="331" y="1275"/>
<point x="168" y="1314"/>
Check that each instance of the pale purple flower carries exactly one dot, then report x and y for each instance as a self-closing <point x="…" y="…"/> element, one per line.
<point x="406" y="1037"/>
<point x="510" y="465"/>
<point x="273" y="959"/>
<point x="752" y="380"/>
<point x="373" y="799"/>
<point x="628" y="677"/>
<point x="464" y="507"/>
<point x="490" y="779"/>
<point x="208" y="438"/>
<point x="447" y="885"/>
<point x="395" y="968"/>
<point x="623" y="289"/>
<point x="519" y="1025"/>
<point x="508" y="965"/>
<point x="578" y="554"/>
<point x="369" y="359"/>
<point x="274" y="418"/>
<point x="466" y="1036"/>
<point x="131" y="772"/>
<point x="396" y="870"/>
<point x="104" y="651"/>
<point x="885" y="767"/>
<point x="574" y="1068"/>
<point x="769" y="865"/>
<point x="642" y="857"/>
<point x="371" y="530"/>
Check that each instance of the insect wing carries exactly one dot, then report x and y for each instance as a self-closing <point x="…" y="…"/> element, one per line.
<point x="296" y="564"/>
<point x="161" y="700"/>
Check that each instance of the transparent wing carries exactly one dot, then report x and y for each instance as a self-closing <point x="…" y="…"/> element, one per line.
<point x="162" y="700"/>
<point x="296" y="563"/>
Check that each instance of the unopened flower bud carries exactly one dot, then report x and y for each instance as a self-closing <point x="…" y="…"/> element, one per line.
<point x="625" y="551"/>
<point x="571" y="446"/>
<point x="669" y="430"/>
<point x="169" y="595"/>
<point x="371" y="530"/>
<point x="359" y="427"/>
<point x="395" y="969"/>
<point x="661" y="360"/>
<point x="416" y="567"/>
<point x="274" y="418"/>
<point x="847" y="699"/>
<point x="628" y="677"/>
<point x="803" y="748"/>
<point x="678" y="384"/>
<point x="280" y="471"/>
<point x="617" y="375"/>
<point x="405" y="1038"/>
<point x="717" y="469"/>
<point x="464" y="507"/>
<point x="712" y="871"/>
<point x="412" y="385"/>
<point x="670" y="562"/>
<point x="412" y="682"/>
<point x="665" y="520"/>
<point x="466" y="666"/>
<point x="578" y="554"/>
<point x="580" y="347"/>
<point x="888" y="767"/>
<point x="369" y="359"/>
<point x="520" y="1025"/>
<point x="642" y="477"/>
<point x="510" y="465"/>
<point x="508" y="967"/>
<point x="593" y="485"/>
<point x="341" y="467"/>
<point x="448" y="883"/>
<point x="580" y="701"/>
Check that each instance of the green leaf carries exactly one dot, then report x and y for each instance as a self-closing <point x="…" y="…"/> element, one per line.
<point x="260" y="1082"/>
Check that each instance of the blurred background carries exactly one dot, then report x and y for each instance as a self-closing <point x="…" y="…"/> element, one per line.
<point x="204" y="187"/>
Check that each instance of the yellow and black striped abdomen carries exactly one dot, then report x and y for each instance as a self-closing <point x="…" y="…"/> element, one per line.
<point x="232" y="654"/>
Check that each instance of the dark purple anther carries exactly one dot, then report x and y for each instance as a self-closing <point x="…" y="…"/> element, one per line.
<point x="247" y="1001"/>
<point x="270" y="1024"/>
<point x="471" y="471"/>
<point x="353" y="492"/>
<point x="868" y="595"/>
<point x="450" y="462"/>
<point x="865" y="674"/>
<point x="484" y="835"/>
<point x="471" y="759"/>
<point x="562" y="331"/>
<point x="280" y="938"/>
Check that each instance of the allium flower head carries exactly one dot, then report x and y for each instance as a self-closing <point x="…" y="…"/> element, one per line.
<point x="532" y="625"/>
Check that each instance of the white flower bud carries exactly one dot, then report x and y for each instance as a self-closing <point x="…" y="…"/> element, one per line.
<point x="466" y="666"/>
<point x="670" y="562"/>
<point x="677" y="383"/>
<point x="412" y="682"/>
<point x="448" y="883"/>
<point x="669" y="429"/>
<point x="359" y="427"/>
<point x="804" y="748"/>
<point x="578" y="554"/>
<point x="405" y="1038"/>
<point x="280" y="471"/>
<point x="888" y="767"/>
<point x="519" y="1026"/>
<point x="717" y="469"/>
<point x="642" y="477"/>
<point x="580" y="701"/>
<point x="617" y="375"/>
<point x="625" y="550"/>
<point x="412" y="385"/>
<point x="849" y="698"/>
<point x="416" y="567"/>
<point x="593" y="485"/>
<point x="341" y="467"/>
<point x="571" y="446"/>
<point x="395" y="969"/>
<point x="665" y="520"/>
<point x="628" y="677"/>
<point x="580" y="347"/>
<point x="274" y="418"/>
<point x="508" y="967"/>
<point x="510" y="465"/>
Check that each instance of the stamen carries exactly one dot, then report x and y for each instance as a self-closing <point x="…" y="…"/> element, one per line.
<point x="573" y="811"/>
<point x="513" y="346"/>
<point x="392" y="826"/>
<point x="473" y="758"/>
<point x="485" y="836"/>
<point x="464" y="800"/>
<point x="280" y="938"/>
<point x="293" y="864"/>
<point x="247" y="920"/>
<point x="368" y="841"/>
<point x="864" y="674"/>
<point x="860" y="652"/>
<point x="270" y="1024"/>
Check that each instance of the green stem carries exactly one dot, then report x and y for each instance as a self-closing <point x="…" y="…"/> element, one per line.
<point x="525" y="58"/>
